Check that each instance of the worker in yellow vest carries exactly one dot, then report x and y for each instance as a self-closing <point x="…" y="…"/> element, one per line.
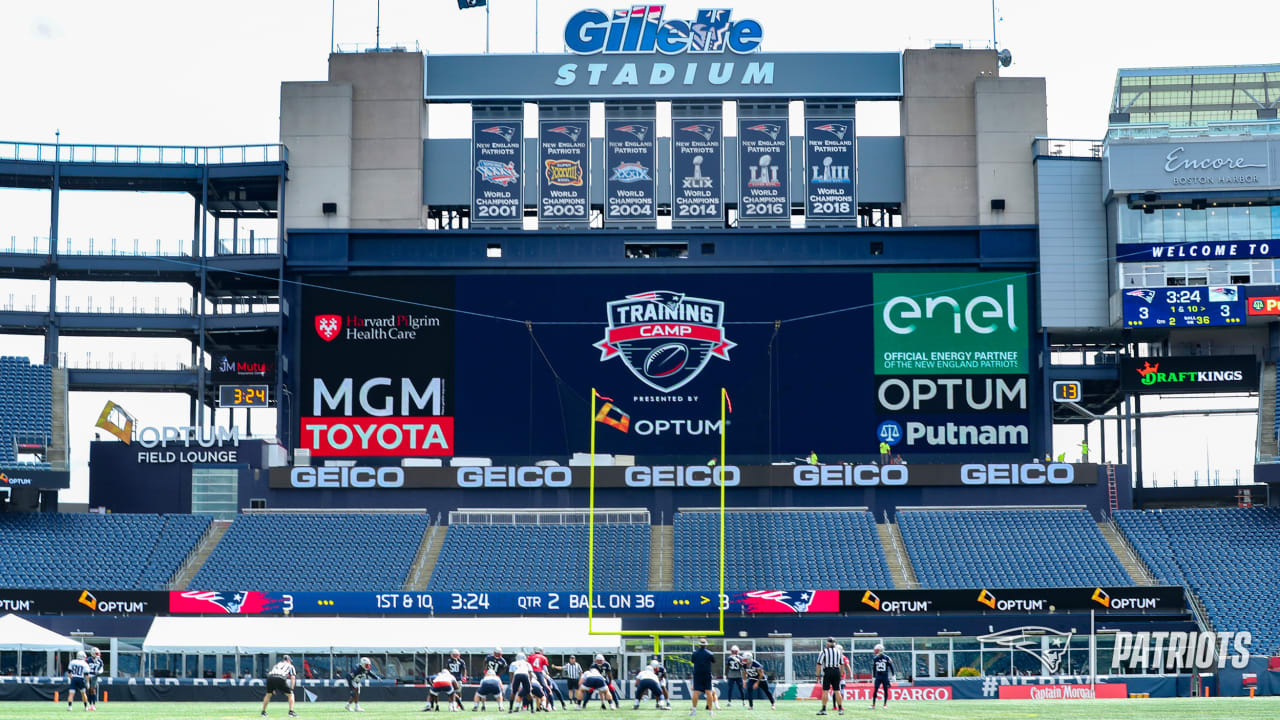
<point x="885" y="458"/>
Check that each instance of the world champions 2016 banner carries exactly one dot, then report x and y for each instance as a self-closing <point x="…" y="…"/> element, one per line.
<point x="385" y="371"/>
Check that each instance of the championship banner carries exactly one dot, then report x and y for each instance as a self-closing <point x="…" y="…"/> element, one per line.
<point x="497" y="187"/>
<point x="697" y="171"/>
<point x="830" y="169"/>
<point x="763" y="176"/>
<point x="630" y="160"/>
<point x="564" y="165"/>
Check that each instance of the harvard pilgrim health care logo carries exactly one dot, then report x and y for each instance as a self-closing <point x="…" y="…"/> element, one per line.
<point x="328" y="326"/>
<point x="665" y="338"/>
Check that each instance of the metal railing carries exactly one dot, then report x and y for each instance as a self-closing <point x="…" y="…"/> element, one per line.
<point x="108" y="361"/>
<point x="140" y="248"/>
<point x="545" y="517"/>
<point x="143" y="154"/>
<point x="1225" y="128"/>
<point x="378" y="47"/>
<point x="1066" y="147"/>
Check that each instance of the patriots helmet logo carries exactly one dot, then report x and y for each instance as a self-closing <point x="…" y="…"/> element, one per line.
<point x="506" y="132"/>
<point x="769" y="129"/>
<point x="664" y="338"/>
<point x="1144" y="295"/>
<point x="837" y="129"/>
<point x="1045" y="644"/>
<point x="702" y="130"/>
<point x="639" y="131"/>
<point x="573" y="132"/>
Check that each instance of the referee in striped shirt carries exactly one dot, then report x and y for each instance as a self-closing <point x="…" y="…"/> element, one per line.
<point x="572" y="671"/>
<point x="830" y="667"/>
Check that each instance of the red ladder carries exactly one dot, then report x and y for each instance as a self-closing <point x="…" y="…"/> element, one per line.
<point x="1113" y="496"/>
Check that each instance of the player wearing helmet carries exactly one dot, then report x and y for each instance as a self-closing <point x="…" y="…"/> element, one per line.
<point x="606" y="671"/>
<point x="457" y="667"/>
<point x="77" y="671"/>
<point x="95" y="671"/>
<point x="490" y="689"/>
<point x="882" y="673"/>
<point x="593" y="682"/>
<point x="733" y="675"/>
<point x="755" y="676"/>
<point x="358" y="677"/>
<point x="521" y="683"/>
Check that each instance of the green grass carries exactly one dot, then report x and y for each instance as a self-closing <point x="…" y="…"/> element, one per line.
<point x="1154" y="709"/>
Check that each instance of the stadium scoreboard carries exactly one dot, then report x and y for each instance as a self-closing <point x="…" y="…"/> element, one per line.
<point x="233" y="396"/>
<point x="1065" y="391"/>
<point x="1183" y="307"/>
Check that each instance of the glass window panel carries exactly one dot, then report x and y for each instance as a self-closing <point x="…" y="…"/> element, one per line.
<point x="1217" y="223"/>
<point x="1130" y="224"/>
<point x="1134" y="81"/>
<point x="1196" y="224"/>
<point x="1219" y="278"/>
<point x="1259" y="223"/>
<point x="1238" y="223"/>
<point x="1152" y="227"/>
<point x="1174" y="229"/>
<point x="1275" y="221"/>
<point x="1131" y="275"/>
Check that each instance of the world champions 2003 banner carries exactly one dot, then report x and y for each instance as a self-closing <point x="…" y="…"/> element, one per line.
<point x="386" y="370"/>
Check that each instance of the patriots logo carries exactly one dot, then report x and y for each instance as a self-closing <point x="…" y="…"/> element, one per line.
<point x="1144" y="295"/>
<point x="573" y="132"/>
<point x="769" y="129"/>
<point x="702" y="130"/>
<point x="837" y="129"/>
<point x="665" y="338"/>
<point x="639" y="131"/>
<point x="506" y="132"/>
<point x="237" y="602"/>
<point x="1050" y="654"/>
<point x="1223" y="294"/>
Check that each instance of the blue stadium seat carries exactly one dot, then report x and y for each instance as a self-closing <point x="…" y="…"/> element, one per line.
<point x="25" y="408"/>
<point x="101" y="552"/>
<point x="776" y="550"/>
<point x="1230" y="558"/>
<point x="476" y="555"/>
<point x="1008" y="548"/>
<point x="314" y="552"/>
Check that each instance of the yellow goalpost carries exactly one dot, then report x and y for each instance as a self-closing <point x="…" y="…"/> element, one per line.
<point x="591" y="542"/>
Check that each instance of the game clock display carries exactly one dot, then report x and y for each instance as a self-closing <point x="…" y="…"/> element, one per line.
<point x="1183" y="307"/>
<point x="230" y="396"/>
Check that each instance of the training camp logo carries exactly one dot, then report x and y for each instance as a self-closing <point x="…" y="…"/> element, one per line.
<point x="665" y="338"/>
<point x="328" y="327"/>
<point x="637" y="131"/>
<point x="498" y="173"/>
<point x="769" y="129"/>
<point x="1144" y="295"/>
<point x="506" y="132"/>
<point x="564" y="173"/>
<point x="1030" y="640"/>
<point x="573" y="132"/>
<point x="837" y="129"/>
<point x="702" y="130"/>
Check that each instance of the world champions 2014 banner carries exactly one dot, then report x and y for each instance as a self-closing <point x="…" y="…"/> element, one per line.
<point x="1110" y="600"/>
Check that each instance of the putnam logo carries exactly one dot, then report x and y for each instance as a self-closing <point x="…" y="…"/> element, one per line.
<point x="564" y="172"/>
<point x="328" y="327"/>
<point x="498" y="173"/>
<point x="665" y="338"/>
<point x="630" y="172"/>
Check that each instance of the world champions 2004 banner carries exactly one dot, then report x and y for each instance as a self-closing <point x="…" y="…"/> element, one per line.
<point x="630" y="161"/>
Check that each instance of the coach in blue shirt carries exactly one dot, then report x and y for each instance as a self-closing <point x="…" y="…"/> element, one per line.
<point x="702" y="662"/>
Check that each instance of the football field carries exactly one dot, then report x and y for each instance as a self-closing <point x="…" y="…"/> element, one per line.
<point x="1161" y="709"/>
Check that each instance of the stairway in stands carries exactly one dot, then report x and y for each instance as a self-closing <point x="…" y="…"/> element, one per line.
<point x="1267" y="425"/>
<point x="57" y="453"/>
<point x="661" y="557"/>
<point x="425" y="562"/>
<point x="895" y="552"/>
<point x="1133" y="564"/>
<point x="199" y="553"/>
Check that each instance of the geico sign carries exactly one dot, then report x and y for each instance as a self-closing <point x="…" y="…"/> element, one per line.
<point x="1017" y="474"/>
<point x="681" y="476"/>
<point x="525" y="476"/>
<point x="849" y="475"/>
<point x="346" y="477"/>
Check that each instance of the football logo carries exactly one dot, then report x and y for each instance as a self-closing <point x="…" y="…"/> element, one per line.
<point x="702" y="130"/>
<point x="506" y="132"/>
<point x="1144" y="295"/>
<point x="837" y="129"/>
<point x="638" y="131"/>
<point x="768" y="129"/>
<point x="328" y="326"/>
<point x="665" y="338"/>
<point x="630" y="172"/>
<point x="573" y="132"/>
<point x="564" y="172"/>
<point x="498" y="173"/>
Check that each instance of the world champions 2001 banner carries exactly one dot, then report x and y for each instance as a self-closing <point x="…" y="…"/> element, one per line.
<point x="385" y="371"/>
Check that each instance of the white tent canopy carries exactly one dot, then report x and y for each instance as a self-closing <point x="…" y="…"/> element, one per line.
<point x="331" y="634"/>
<point x="19" y="634"/>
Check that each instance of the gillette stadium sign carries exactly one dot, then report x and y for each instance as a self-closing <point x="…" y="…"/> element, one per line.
<point x="638" y="51"/>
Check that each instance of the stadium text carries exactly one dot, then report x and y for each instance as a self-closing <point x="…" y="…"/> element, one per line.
<point x="1176" y="650"/>
<point x="185" y="435"/>
<point x="344" y="477"/>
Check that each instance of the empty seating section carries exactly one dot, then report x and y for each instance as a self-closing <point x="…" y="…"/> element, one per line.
<point x="314" y="552"/>
<point x="779" y="549"/>
<point x="524" y="557"/>
<point x="1230" y="557"/>
<point x="1008" y="548"/>
<point x="88" y="550"/>
<point x="26" y="393"/>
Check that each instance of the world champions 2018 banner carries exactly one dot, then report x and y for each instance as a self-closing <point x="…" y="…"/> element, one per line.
<point x="386" y="370"/>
